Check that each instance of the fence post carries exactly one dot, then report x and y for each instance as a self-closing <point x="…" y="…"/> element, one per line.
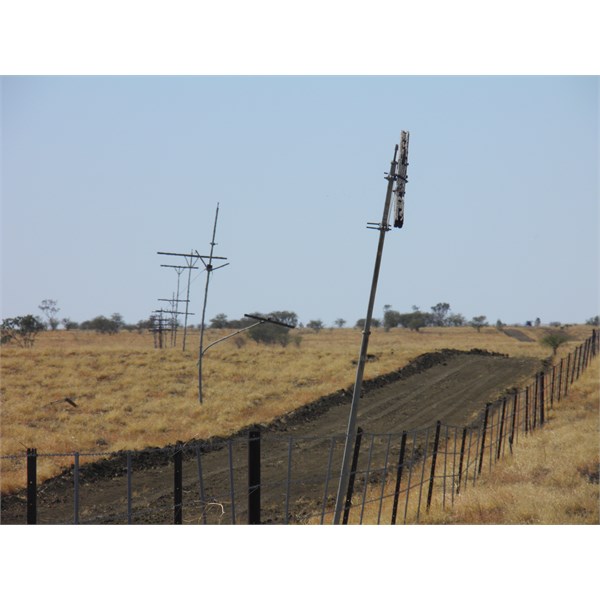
<point x="353" y="468"/>
<point x="254" y="476"/>
<point x="552" y="386"/>
<point x="580" y="361"/>
<point x="573" y="366"/>
<point x="398" y="477"/>
<point x="560" y="379"/>
<point x="462" y="456"/>
<point x="567" y="374"/>
<point x="585" y="355"/>
<point x="513" y="426"/>
<point x="527" y="409"/>
<point x="31" y="486"/>
<point x="485" y="422"/>
<point x="201" y="484"/>
<point x="129" y="495"/>
<point x="501" y="430"/>
<point x="231" y="481"/>
<point x="178" y="487"/>
<point x="534" y="408"/>
<point x="76" y="488"/>
<point x="436" y="443"/>
<point x="327" y="477"/>
<point x="541" y="392"/>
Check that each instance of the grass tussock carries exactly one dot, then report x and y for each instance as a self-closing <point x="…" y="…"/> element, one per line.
<point x="130" y="395"/>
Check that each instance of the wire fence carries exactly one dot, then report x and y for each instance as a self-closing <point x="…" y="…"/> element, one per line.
<point x="270" y="478"/>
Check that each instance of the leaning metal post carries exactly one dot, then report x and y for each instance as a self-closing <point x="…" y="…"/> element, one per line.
<point x="383" y="227"/>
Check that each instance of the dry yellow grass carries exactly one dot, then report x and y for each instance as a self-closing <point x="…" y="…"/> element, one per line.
<point x="130" y="395"/>
<point x="551" y="479"/>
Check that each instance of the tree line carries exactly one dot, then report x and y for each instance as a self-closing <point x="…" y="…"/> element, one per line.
<point x="22" y="330"/>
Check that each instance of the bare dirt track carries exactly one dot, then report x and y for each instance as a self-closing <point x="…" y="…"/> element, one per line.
<point x="296" y="450"/>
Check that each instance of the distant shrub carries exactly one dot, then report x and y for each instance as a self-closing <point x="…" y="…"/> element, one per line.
<point x="554" y="339"/>
<point x="316" y="325"/>
<point x="21" y="330"/>
<point x="268" y="333"/>
<point x="102" y="324"/>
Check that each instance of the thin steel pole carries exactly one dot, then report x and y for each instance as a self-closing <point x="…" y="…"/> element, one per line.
<point x="201" y="485"/>
<point x="327" y="477"/>
<point x="384" y="477"/>
<point x="128" y="487"/>
<point x="187" y="299"/>
<point x="352" y="426"/>
<point x="424" y="460"/>
<point x="366" y="479"/>
<point x="399" y="469"/>
<point x="231" y="483"/>
<point x="410" y="470"/>
<point x="176" y="324"/>
<point x="288" y="482"/>
<point x="76" y="486"/>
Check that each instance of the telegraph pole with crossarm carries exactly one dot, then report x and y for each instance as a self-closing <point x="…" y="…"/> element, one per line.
<point x="397" y="176"/>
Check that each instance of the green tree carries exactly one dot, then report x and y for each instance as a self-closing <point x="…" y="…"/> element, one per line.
<point x="101" y="324"/>
<point x="417" y="320"/>
<point x="50" y="309"/>
<point x="68" y="324"/>
<point x="268" y="333"/>
<point x="439" y="313"/>
<point x="594" y="321"/>
<point x="554" y="340"/>
<point x="219" y="321"/>
<point x="455" y="320"/>
<point x="391" y="318"/>
<point x="118" y="320"/>
<point x="340" y="322"/>
<point x="316" y="325"/>
<point x="478" y="322"/>
<point x="21" y="330"/>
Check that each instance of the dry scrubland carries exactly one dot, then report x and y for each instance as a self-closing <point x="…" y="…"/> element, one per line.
<point x="130" y="395"/>
<point x="551" y="479"/>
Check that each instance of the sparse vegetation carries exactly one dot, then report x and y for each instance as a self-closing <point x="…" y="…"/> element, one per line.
<point x="131" y="395"/>
<point x="550" y="479"/>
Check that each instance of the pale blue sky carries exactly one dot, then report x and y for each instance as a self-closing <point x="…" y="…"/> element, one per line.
<point x="100" y="173"/>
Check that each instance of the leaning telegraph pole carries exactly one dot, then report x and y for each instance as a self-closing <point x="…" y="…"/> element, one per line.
<point x="397" y="175"/>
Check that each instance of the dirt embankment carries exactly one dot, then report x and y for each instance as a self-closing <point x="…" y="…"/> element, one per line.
<point x="449" y="385"/>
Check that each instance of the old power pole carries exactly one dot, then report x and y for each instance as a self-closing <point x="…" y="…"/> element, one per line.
<point x="397" y="175"/>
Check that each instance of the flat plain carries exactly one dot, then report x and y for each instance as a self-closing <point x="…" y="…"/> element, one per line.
<point x="125" y="394"/>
